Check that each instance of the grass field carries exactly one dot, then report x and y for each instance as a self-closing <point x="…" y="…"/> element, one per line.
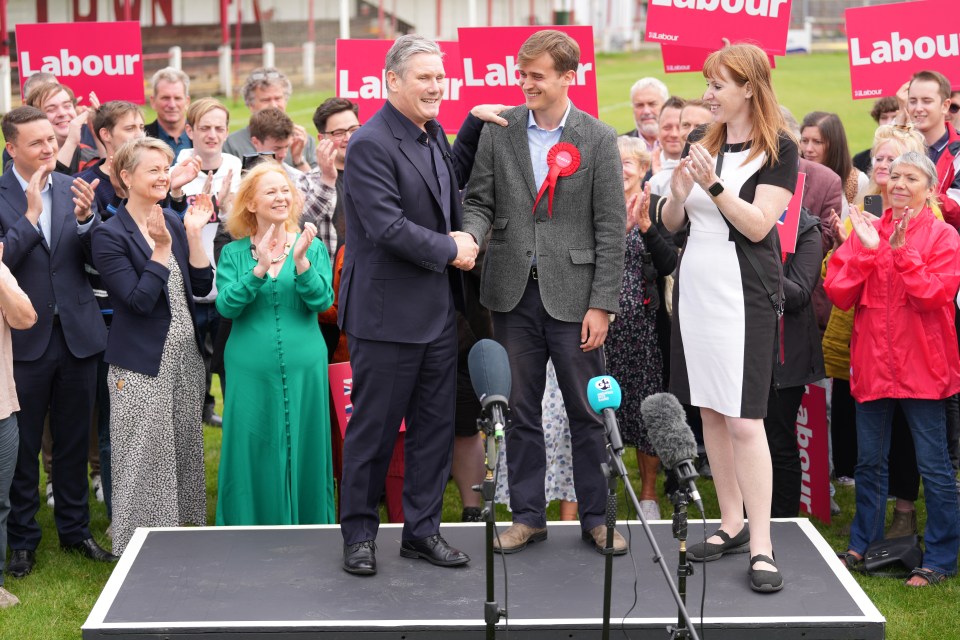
<point x="60" y="593"/>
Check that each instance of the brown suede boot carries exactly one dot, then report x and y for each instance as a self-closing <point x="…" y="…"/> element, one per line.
<point x="904" y="523"/>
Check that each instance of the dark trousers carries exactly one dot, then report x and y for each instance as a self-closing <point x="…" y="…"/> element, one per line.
<point x="393" y="381"/>
<point x="103" y="435"/>
<point x="904" y="480"/>
<point x="781" y="428"/>
<point x="64" y="385"/>
<point x="208" y="322"/>
<point x="531" y="337"/>
<point x="843" y="429"/>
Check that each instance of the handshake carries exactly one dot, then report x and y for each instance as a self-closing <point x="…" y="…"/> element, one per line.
<point x="467" y="250"/>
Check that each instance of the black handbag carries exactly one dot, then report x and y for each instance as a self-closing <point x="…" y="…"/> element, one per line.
<point x="893" y="558"/>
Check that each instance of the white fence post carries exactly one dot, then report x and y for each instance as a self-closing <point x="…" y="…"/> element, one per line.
<point x="269" y="55"/>
<point x="176" y="58"/>
<point x="226" y="76"/>
<point x="6" y="94"/>
<point x="309" y="54"/>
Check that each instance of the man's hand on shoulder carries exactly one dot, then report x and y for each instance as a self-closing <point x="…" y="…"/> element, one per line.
<point x="593" y="332"/>
<point x="467" y="250"/>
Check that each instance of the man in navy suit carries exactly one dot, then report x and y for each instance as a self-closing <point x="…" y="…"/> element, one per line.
<point x="45" y="223"/>
<point x="397" y="296"/>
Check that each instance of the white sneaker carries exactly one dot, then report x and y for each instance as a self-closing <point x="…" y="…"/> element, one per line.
<point x="97" y="487"/>
<point x="49" y="494"/>
<point x="7" y="599"/>
<point x="846" y="481"/>
<point x="650" y="509"/>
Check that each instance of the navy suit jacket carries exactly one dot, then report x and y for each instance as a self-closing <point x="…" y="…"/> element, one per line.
<point x="138" y="289"/>
<point x="52" y="276"/>
<point x="396" y="285"/>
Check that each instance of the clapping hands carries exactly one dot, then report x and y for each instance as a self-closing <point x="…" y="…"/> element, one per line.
<point x="198" y="214"/>
<point x="157" y="227"/>
<point x="300" y="248"/>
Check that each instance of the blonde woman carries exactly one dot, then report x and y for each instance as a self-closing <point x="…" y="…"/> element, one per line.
<point x="152" y="265"/>
<point x="272" y="282"/>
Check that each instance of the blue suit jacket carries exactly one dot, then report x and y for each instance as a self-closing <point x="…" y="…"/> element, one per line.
<point x="138" y="289"/>
<point x="51" y="275"/>
<point x="396" y="285"/>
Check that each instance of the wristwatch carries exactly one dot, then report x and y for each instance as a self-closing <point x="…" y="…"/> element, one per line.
<point x="716" y="189"/>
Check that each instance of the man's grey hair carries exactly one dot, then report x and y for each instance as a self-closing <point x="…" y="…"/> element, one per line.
<point x="920" y="161"/>
<point x="644" y="83"/>
<point x="171" y="75"/>
<point x="262" y="78"/>
<point x="404" y="48"/>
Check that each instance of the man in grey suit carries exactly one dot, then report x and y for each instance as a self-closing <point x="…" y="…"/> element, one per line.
<point x="551" y="275"/>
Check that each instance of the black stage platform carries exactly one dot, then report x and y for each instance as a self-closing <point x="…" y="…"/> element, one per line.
<point x="287" y="582"/>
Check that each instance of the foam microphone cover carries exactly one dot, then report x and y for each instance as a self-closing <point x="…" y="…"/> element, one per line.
<point x="489" y="370"/>
<point x="667" y="429"/>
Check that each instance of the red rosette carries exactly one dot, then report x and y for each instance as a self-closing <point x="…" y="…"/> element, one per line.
<point x="563" y="160"/>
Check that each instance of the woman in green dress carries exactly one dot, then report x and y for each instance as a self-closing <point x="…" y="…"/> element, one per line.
<point x="275" y="460"/>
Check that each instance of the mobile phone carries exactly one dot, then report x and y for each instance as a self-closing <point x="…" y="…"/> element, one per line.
<point x="250" y="160"/>
<point x="873" y="204"/>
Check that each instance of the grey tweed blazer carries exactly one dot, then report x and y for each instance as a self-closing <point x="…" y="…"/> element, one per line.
<point x="579" y="250"/>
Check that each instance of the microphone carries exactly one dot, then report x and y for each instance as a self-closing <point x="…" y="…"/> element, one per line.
<point x="604" y="395"/>
<point x="490" y="376"/>
<point x="672" y="439"/>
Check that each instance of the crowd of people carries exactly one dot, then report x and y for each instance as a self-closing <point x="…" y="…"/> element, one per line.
<point x="140" y="259"/>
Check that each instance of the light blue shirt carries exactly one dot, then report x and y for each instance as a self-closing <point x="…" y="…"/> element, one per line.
<point x="540" y="141"/>
<point x="46" y="196"/>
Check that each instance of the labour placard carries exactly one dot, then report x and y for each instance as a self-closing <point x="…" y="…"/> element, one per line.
<point x="679" y="59"/>
<point x="490" y="65"/>
<point x="704" y="23"/>
<point x="814" y="453"/>
<point x="889" y="43"/>
<point x="105" y="57"/>
<point x="361" y="78"/>
<point x="789" y="222"/>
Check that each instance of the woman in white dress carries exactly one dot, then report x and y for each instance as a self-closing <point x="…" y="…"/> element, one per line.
<point x="734" y="181"/>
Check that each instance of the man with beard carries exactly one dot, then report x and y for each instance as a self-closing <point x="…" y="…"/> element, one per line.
<point x="647" y="95"/>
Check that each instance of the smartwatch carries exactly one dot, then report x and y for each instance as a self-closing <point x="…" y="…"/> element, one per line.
<point x="716" y="189"/>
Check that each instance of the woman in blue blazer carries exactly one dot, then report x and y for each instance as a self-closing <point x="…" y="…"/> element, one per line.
<point x="152" y="265"/>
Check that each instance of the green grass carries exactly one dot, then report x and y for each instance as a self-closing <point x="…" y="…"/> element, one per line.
<point x="58" y="596"/>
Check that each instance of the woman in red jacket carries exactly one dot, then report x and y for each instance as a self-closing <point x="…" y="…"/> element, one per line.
<point x="901" y="273"/>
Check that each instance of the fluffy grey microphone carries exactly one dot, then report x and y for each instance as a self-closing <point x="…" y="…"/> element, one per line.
<point x="672" y="439"/>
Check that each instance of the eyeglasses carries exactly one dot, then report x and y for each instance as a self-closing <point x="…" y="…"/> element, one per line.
<point x="265" y="75"/>
<point x="338" y="134"/>
<point x="955" y="107"/>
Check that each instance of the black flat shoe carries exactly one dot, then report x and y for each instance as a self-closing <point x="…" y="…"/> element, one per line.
<point x="360" y="558"/>
<point x="763" y="580"/>
<point x="21" y="562"/>
<point x="91" y="550"/>
<point x="435" y="550"/>
<point x="707" y="551"/>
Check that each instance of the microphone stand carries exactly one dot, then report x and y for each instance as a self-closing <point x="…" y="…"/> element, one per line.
<point x="491" y="610"/>
<point x="614" y="469"/>
<point x="680" y="500"/>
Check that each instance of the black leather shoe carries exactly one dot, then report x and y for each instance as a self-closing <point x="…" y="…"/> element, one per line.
<point x="21" y="562"/>
<point x="435" y="550"/>
<point x="90" y="549"/>
<point x="360" y="558"/>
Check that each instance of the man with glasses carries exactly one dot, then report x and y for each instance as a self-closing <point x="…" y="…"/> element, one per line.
<point x="268" y="87"/>
<point x="336" y="120"/>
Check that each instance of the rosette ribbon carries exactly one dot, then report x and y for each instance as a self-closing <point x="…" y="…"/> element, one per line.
<point x="563" y="159"/>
